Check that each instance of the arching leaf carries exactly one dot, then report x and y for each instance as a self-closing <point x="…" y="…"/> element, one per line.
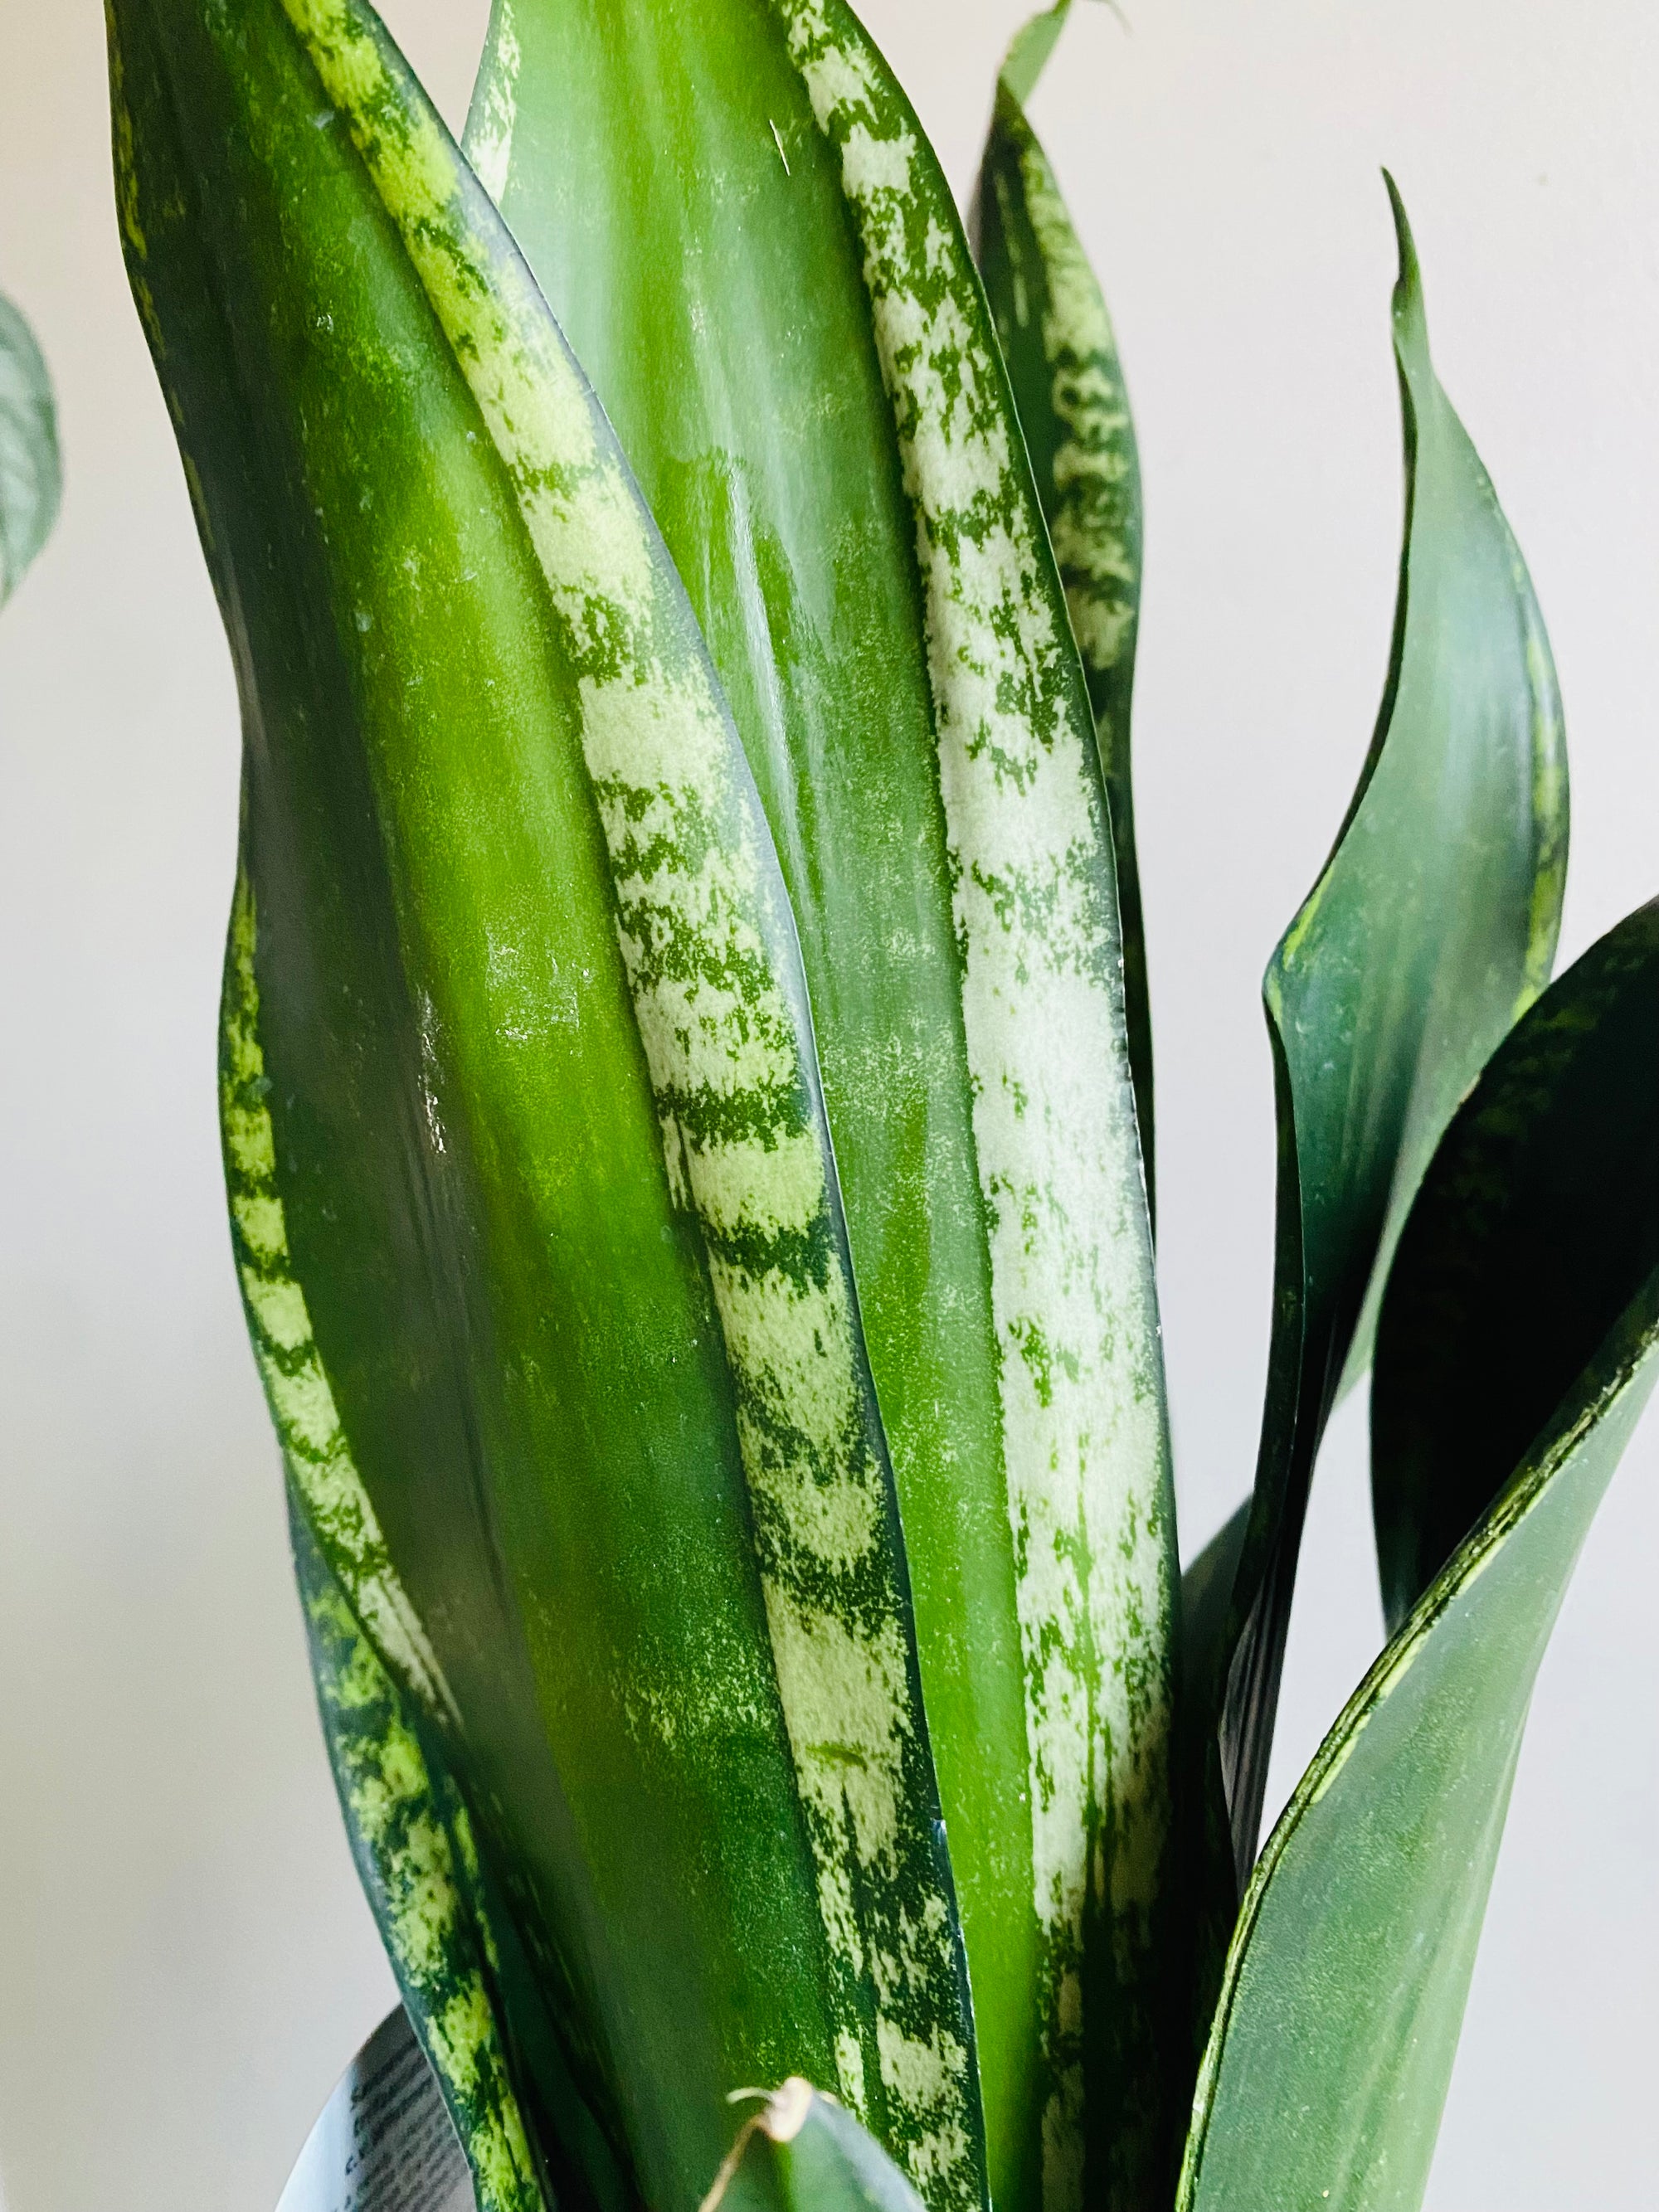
<point x="1516" y="1349"/>
<point x="1431" y="927"/>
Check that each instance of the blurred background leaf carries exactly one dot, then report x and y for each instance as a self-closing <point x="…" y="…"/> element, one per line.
<point x="31" y="478"/>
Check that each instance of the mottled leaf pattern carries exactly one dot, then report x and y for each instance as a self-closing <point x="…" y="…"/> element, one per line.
<point x="529" y="1169"/>
<point x="818" y="414"/>
<point x="566" y="846"/>
<point x="417" y="1860"/>
<point x="1061" y="354"/>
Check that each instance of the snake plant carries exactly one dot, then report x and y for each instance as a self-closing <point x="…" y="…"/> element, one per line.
<point x="687" y="1102"/>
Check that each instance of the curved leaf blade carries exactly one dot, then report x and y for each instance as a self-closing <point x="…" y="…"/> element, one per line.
<point x="530" y="1184"/>
<point x="1431" y="927"/>
<point x="1525" y="1289"/>
<point x="818" y="416"/>
<point x="1068" y="381"/>
<point x="802" y="2153"/>
<point x="30" y="474"/>
<point x="1494" y="1303"/>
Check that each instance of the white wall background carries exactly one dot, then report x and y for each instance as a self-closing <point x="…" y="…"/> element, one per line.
<point x="184" y="1961"/>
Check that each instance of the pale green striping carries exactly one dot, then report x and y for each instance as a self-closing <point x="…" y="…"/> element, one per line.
<point x="489" y="126"/>
<point x="397" y="1813"/>
<point x="1053" y="1122"/>
<point x="307" y="1420"/>
<point x="699" y="919"/>
<point x="1092" y="466"/>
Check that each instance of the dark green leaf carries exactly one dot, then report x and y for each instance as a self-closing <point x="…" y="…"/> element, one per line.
<point x="1209" y="1890"/>
<point x="738" y="220"/>
<point x="1536" y="1223"/>
<point x="1205" y="1592"/>
<point x="530" y="1184"/>
<point x="1067" y="383"/>
<point x="1432" y="925"/>
<point x="1516" y="1350"/>
<point x="31" y="479"/>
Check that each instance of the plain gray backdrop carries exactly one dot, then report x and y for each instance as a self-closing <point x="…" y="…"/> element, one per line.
<point x="185" y="1963"/>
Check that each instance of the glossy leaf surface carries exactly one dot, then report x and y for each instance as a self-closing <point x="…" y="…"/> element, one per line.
<point x="1209" y="1890"/>
<point x="1515" y="1351"/>
<point x="31" y="476"/>
<point x="530" y="1180"/>
<point x="1061" y="354"/>
<point x="1432" y="925"/>
<point x="1540" y="1217"/>
<point x="771" y="290"/>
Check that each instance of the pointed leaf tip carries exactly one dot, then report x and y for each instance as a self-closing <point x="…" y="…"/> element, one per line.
<point x="1408" y="305"/>
<point x="1432" y="925"/>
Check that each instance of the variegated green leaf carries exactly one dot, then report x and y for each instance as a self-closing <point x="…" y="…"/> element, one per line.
<point x="1431" y="927"/>
<point x="530" y="1183"/>
<point x="31" y="478"/>
<point x="769" y="288"/>
<point x="1061" y="354"/>
<point x="1518" y="1342"/>
<point x="417" y="1858"/>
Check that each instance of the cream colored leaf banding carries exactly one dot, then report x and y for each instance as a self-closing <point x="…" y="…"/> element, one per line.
<point x="393" y="1803"/>
<point x="302" y="1405"/>
<point x="1060" y="1173"/>
<point x="1088" y="400"/>
<point x="743" y="1136"/>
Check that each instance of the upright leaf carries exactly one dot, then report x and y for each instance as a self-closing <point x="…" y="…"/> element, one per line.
<point x="1061" y="356"/>
<point x="1516" y="1348"/>
<point x="31" y="476"/>
<point x="530" y="1183"/>
<point x="1432" y="925"/>
<point x="769" y="285"/>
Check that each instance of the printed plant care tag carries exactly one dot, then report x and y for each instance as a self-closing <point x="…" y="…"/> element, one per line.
<point x="384" y="2142"/>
